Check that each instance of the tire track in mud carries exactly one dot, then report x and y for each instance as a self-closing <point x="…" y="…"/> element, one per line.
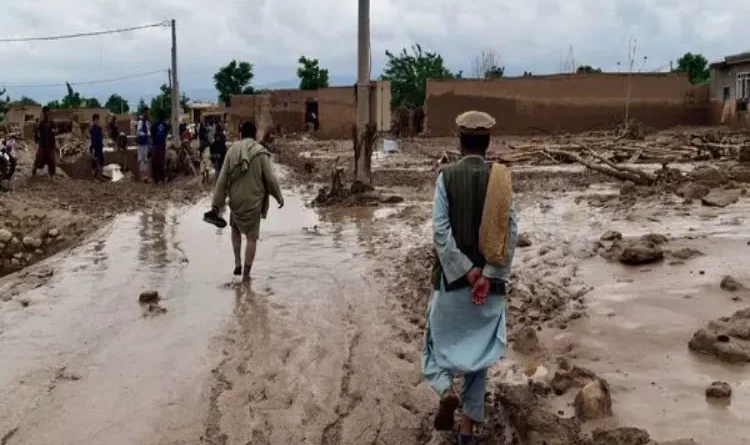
<point x="332" y="432"/>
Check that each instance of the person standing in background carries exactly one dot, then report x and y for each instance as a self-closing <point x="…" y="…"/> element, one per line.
<point x="143" y="139"/>
<point x="45" y="153"/>
<point x="96" y="136"/>
<point x="159" y="133"/>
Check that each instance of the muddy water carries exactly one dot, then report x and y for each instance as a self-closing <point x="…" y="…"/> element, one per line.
<point x="640" y="319"/>
<point x="305" y="354"/>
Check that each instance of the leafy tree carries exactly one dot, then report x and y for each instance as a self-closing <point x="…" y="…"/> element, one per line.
<point x="311" y="76"/>
<point x="72" y="99"/>
<point x="117" y="104"/>
<point x="25" y="101"/>
<point x="494" y="72"/>
<point x="588" y="69"/>
<point x="54" y="104"/>
<point x="696" y="67"/>
<point x="235" y="78"/>
<point x="408" y="73"/>
<point x="527" y="74"/>
<point x="91" y="102"/>
<point x="163" y="101"/>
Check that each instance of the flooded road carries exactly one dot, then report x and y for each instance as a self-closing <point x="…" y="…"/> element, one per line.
<point x="306" y="354"/>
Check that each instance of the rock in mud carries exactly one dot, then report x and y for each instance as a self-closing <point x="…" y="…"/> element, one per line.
<point x="611" y="235"/>
<point x="655" y="238"/>
<point x="721" y="198"/>
<point x="5" y="236"/>
<point x="728" y="283"/>
<point x="31" y="242"/>
<point x="707" y="175"/>
<point x="719" y="390"/>
<point x="526" y="341"/>
<point x="641" y="252"/>
<point x="523" y="240"/>
<point x="594" y="401"/>
<point x="533" y="424"/>
<point x="686" y="253"/>
<point x="149" y="296"/>
<point x="727" y="338"/>
<point x="621" y="436"/>
<point x="693" y="191"/>
<point x="564" y="379"/>
<point x="54" y="233"/>
<point x="628" y="188"/>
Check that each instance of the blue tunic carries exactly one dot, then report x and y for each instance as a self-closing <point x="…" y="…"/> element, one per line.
<point x="461" y="337"/>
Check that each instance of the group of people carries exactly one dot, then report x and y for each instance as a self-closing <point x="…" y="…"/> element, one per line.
<point x="474" y="235"/>
<point x="151" y="139"/>
<point x="212" y="143"/>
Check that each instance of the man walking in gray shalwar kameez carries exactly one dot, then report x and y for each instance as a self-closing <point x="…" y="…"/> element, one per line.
<point x="465" y="330"/>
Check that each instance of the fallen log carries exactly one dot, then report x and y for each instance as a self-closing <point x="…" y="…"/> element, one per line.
<point x="607" y="169"/>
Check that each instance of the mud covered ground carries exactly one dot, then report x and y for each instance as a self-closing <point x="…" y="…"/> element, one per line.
<point x="625" y="320"/>
<point x="44" y="215"/>
<point x="611" y="282"/>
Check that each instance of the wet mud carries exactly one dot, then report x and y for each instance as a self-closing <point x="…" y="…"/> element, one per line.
<point x="323" y="346"/>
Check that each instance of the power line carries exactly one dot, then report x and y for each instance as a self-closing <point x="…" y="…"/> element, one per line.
<point x="89" y="82"/>
<point x="84" y="34"/>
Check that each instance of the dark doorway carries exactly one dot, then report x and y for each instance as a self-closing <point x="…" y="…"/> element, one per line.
<point x="312" y="118"/>
<point x="726" y="94"/>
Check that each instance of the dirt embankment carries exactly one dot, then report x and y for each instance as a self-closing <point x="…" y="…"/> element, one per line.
<point x="43" y="215"/>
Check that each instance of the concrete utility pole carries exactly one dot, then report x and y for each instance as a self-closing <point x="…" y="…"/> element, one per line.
<point x="175" y="121"/>
<point x="363" y="88"/>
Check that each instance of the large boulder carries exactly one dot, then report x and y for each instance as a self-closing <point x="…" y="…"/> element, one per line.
<point x="721" y="198"/>
<point x="727" y="339"/>
<point x="594" y="401"/>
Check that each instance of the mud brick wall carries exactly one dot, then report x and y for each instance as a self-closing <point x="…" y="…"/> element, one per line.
<point x="568" y="103"/>
<point x="284" y="110"/>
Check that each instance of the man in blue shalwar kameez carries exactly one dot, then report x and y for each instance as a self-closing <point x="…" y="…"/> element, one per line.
<point x="465" y="330"/>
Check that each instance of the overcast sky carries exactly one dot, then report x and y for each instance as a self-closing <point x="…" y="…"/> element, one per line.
<point x="528" y="35"/>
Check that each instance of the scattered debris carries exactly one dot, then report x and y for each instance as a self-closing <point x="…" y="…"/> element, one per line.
<point x="728" y="283"/>
<point x="523" y="240"/>
<point x="719" y="390"/>
<point x="526" y="341"/>
<point x="611" y="235"/>
<point x="149" y="296"/>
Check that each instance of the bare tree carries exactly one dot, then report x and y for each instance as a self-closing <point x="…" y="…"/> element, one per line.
<point x="632" y="44"/>
<point x="487" y="65"/>
<point x="568" y="64"/>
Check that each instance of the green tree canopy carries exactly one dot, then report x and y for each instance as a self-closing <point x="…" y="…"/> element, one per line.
<point x="72" y="99"/>
<point x="25" y="101"/>
<point x="116" y="104"/>
<point x="494" y="72"/>
<point x="311" y="76"/>
<point x="163" y="101"/>
<point x="235" y="78"/>
<point x="408" y="73"/>
<point x="91" y="102"/>
<point x="588" y="69"/>
<point x="696" y="67"/>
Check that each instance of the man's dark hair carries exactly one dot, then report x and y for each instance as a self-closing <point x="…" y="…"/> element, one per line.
<point x="161" y="114"/>
<point x="45" y="109"/>
<point x="475" y="143"/>
<point x="95" y="116"/>
<point x="248" y="130"/>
